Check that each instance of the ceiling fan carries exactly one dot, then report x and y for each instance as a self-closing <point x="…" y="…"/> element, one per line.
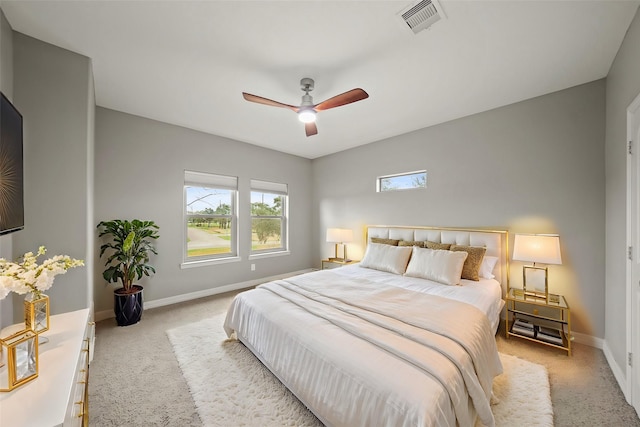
<point x="307" y="110"/>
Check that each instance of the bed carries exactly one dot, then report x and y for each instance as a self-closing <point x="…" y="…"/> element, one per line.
<point x="386" y="342"/>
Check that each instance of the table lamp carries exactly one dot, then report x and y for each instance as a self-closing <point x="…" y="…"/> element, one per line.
<point x="536" y="248"/>
<point x="339" y="236"/>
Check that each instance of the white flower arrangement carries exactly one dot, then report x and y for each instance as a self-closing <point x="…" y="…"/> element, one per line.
<point x="27" y="276"/>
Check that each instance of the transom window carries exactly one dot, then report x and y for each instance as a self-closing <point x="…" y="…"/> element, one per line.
<point x="268" y="217"/>
<point x="402" y="181"/>
<point x="210" y="216"/>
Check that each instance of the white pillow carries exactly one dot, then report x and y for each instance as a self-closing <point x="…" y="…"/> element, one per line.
<point x="392" y="259"/>
<point x="437" y="265"/>
<point x="487" y="266"/>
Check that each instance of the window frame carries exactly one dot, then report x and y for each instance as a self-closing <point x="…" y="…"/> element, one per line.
<point x="274" y="188"/>
<point x="215" y="182"/>
<point x="380" y="189"/>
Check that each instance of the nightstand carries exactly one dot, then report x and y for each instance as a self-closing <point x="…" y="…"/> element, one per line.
<point x="335" y="263"/>
<point x="539" y="320"/>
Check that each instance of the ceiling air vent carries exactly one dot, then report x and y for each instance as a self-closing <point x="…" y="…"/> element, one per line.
<point x="422" y="14"/>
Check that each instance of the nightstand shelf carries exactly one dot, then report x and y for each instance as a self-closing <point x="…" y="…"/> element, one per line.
<point x="538" y="320"/>
<point x="328" y="263"/>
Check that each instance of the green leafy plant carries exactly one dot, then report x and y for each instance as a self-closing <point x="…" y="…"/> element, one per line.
<point x="129" y="250"/>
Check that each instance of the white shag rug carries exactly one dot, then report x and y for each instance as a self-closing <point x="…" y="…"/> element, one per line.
<point x="230" y="387"/>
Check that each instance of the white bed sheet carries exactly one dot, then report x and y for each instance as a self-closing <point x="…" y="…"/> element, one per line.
<point x="485" y="294"/>
<point x="351" y="382"/>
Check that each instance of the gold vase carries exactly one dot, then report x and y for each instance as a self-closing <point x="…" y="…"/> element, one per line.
<point x="36" y="312"/>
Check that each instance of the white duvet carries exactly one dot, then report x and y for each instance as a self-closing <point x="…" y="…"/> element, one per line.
<point x="485" y="294"/>
<point x="359" y="352"/>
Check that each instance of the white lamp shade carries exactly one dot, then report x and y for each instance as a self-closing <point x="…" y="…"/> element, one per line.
<point x="542" y="248"/>
<point x="339" y="235"/>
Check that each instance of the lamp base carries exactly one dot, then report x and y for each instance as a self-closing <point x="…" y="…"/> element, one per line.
<point x="538" y="295"/>
<point x="336" y="258"/>
<point x="535" y="282"/>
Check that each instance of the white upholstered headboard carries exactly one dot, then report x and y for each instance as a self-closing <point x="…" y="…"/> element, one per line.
<point x="496" y="241"/>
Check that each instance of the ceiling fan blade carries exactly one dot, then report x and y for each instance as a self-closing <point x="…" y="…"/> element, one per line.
<point x="310" y="128"/>
<point x="266" y="101"/>
<point x="343" y="99"/>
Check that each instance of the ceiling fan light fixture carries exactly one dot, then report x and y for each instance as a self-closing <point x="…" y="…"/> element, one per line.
<point x="307" y="115"/>
<point x="307" y="110"/>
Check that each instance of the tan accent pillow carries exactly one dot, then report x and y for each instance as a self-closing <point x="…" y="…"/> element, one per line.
<point x="473" y="262"/>
<point x="392" y="242"/>
<point x="419" y="244"/>
<point x="435" y="245"/>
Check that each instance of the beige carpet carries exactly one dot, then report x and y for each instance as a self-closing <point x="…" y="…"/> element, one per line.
<point x="136" y="380"/>
<point x="231" y="387"/>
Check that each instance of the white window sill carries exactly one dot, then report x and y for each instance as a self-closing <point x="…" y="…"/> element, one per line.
<point x="269" y="254"/>
<point x="208" y="262"/>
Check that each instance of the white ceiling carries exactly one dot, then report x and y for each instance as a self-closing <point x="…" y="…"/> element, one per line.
<point x="187" y="62"/>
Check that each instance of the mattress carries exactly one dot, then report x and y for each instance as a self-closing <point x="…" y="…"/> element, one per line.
<point x="360" y="347"/>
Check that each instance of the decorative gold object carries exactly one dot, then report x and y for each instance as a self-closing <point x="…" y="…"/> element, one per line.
<point x="36" y="312"/>
<point x="20" y="357"/>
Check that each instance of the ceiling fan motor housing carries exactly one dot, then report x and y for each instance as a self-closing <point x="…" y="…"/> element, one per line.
<point x="307" y="101"/>
<point x="307" y="84"/>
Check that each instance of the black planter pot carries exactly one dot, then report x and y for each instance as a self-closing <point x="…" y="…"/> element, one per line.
<point x="128" y="307"/>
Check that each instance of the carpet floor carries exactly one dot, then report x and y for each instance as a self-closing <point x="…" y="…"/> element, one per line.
<point x="230" y="386"/>
<point x="135" y="379"/>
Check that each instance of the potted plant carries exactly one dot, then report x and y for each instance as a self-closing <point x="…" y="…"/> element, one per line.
<point x="127" y="261"/>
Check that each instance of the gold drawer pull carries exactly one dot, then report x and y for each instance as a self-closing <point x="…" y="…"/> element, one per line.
<point x="85" y="350"/>
<point x="79" y="402"/>
<point x="82" y="382"/>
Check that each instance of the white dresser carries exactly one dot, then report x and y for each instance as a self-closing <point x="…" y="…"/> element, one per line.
<point x="58" y="397"/>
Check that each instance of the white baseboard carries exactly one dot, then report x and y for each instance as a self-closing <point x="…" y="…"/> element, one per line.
<point x="107" y="314"/>
<point x="618" y="372"/>
<point x="588" y="340"/>
<point x="103" y="315"/>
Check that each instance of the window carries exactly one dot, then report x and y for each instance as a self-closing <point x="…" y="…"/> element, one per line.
<point x="402" y="181"/>
<point x="210" y="216"/>
<point x="268" y="217"/>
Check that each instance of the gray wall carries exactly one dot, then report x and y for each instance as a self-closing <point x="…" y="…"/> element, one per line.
<point x="6" y="56"/>
<point x="623" y="85"/>
<point x="89" y="234"/>
<point x="535" y="166"/>
<point x="6" y="87"/>
<point x="53" y="91"/>
<point x="140" y="167"/>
